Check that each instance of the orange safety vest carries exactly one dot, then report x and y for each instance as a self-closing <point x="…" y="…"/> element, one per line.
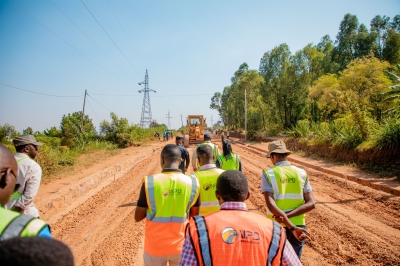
<point x="234" y="237"/>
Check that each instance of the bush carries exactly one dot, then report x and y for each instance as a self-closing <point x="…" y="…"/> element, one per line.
<point x="388" y="137"/>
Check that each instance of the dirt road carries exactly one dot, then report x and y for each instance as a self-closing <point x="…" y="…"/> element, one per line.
<point x="350" y="225"/>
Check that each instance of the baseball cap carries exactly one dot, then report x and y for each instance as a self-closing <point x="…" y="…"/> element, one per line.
<point x="207" y="136"/>
<point x="25" y="140"/>
<point x="178" y="138"/>
<point x="277" y="146"/>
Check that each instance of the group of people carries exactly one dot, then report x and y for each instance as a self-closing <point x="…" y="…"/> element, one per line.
<point x="203" y="219"/>
<point x="25" y="239"/>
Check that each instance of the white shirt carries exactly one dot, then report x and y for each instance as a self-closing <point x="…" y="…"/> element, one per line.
<point x="29" y="176"/>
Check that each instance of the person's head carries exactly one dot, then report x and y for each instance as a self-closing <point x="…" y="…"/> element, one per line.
<point x="35" y="251"/>
<point x="207" y="136"/>
<point x="277" y="151"/>
<point x="8" y="175"/>
<point x="178" y="140"/>
<point x="170" y="156"/>
<point x="227" y="148"/>
<point x="205" y="155"/>
<point x="27" y="144"/>
<point x="232" y="185"/>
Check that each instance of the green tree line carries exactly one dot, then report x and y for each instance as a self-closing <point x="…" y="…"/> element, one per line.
<point x="352" y="78"/>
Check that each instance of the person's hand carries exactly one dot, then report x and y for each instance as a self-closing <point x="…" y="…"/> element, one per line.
<point x="301" y="234"/>
<point x="279" y="219"/>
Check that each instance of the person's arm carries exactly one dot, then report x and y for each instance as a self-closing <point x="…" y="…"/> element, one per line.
<point x="31" y="189"/>
<point x="194" y="211"/>
<point x="308" y="205"/>
<point x="217" y="163"/>
<point x="187" y="160"/>
<point x="300" y="233"/>
<point x="240" y="166"/>
<point x="141" y="206"/>
<point x="188" y="257"/>
<point x="194" y="160"/>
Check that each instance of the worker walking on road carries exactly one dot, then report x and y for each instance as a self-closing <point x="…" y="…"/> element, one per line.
<point x="228" y="160"/>
<point x="207" y="175"/>
<point x="184" y="153"/>
<point x="14" y="224"/>
<point x="166" y="201"/>
<point x="214" y="147"/>
<point x="29" y="176"/>
<point x="235" y="236"/>
<point x="288" y="194"/>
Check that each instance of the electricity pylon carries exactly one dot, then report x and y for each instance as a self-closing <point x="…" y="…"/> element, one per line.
<point x="146" y="108"/>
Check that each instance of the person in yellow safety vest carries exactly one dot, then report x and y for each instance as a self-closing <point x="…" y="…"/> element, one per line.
<point x="166" y="200"/>
<point x="207" y="175"/>
<point x="288" y="194"/>
<point x="234" y="236"/>
<point x="29" y="176"/>
<point x="13" y="224"/>
<point x="214" y="147"/>
<point x="228" y="160"/>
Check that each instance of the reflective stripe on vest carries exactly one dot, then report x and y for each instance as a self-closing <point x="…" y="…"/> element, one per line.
<point x="229" y="164"/>
<point x="151" y="213"/>
<point x="204" y="242"/>
<point x="286" y="201"/>
<point x="208" y="182"/>
<point x="13" y="224"/>
<point x="202" y="238"/>
<point x="274" y="246"/>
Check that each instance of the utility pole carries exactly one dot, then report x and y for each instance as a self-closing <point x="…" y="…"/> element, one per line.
<point x="181" y="120"/>
<point x="169" y="121"/>
<point x="245" y="115"/>
<point x="83" y="112"/>
<point x="146" y="107"/>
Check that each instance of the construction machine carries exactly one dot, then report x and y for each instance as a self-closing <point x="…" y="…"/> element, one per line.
<point x="195" y="126"/>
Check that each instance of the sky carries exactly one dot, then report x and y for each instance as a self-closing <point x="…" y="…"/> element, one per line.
<point x="191" y="50"/>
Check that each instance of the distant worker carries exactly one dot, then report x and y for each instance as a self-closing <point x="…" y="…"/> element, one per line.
<point x="227" y="134"/>
<point x="29" y="176"/>
<point x="288" y="194"/>
<point x="13" y="224"/>
<point x="165" y="135"/>
<point x="214" y="147"/>
<point x="207" y="176"/>
<point x="35" y="251"/>
<point x="158" y="135"/>
<point x="166" y="200"/>
<point x="184" y="153"/>
<point x="235" y="236"/>
<point x="228" y="160"/>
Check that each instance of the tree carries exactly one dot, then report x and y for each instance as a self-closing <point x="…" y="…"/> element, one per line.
<point x="216" y="103"/>
<point x="379" y="28"/>
<point x="53" y="132"/>
<point x="28" y="131"/>
<point x="346" y="41"/>
<point x="393" y="94"/>
<point x="361" y="83"/>
<point x="391" y="52"/>
<point x="7" y="130"/>
<point x="74" y="132"/>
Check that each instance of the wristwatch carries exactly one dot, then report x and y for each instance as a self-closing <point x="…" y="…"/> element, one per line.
<point x="293" y="228"/>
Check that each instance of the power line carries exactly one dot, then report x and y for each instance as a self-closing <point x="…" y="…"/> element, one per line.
<point x="98" y="120"/>
<point x="99" y="103"/>
<point x="110" y="37"/>
<point x="40" y="93"/>
<point x="90" y="39"/>
<point x="138" y="95"/>
<point x="66" y="41"/>
<point x="126" y="34"/>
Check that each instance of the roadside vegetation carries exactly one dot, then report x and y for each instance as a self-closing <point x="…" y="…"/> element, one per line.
<point x="64" y="146"/>
<point x="340" y="98"/>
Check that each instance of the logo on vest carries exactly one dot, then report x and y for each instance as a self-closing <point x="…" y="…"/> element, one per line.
<point x="166" y="192"/>
<point x="209" y="186"/>
<point x="288" y="180"/>
<point x="230" y="236"/>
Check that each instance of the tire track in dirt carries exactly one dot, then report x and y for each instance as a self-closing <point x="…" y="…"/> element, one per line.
<point x="102" y="231"/>
<point x="351" y="224"/>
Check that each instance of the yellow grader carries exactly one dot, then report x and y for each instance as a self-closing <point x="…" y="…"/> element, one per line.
<point x="195" y="126"/>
